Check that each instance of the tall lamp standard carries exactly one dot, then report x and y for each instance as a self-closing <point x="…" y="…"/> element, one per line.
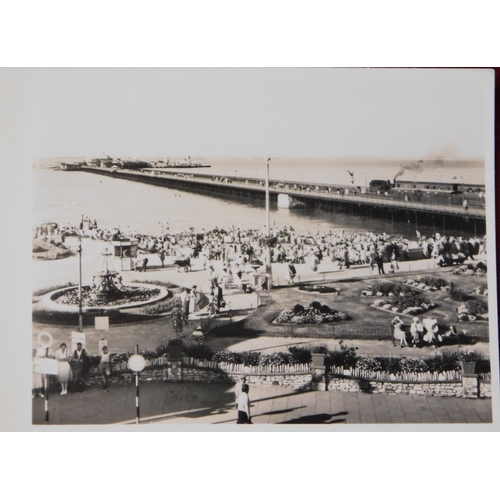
<point x="136" y="363"/>
<point x="269" y="268"/>
<point x="80" y="312"/>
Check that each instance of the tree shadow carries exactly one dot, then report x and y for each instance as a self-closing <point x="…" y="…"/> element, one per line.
<point x="320" y="418"/>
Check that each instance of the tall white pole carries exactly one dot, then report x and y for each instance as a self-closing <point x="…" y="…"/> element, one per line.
<point x="267" y="200"/>
<point x="269" y="269"/>
<point x="137" y="410"/>
<point x="80" y="314"/>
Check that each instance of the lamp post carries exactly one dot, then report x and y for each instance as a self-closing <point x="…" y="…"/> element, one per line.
<point x="137" y="363"/>
<point x="269" y="269"/>
<point x="80" y="312"/>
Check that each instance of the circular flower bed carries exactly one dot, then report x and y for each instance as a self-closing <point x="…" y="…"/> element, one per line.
<point x="127" y="295"/>
<point x="315" y="314"/>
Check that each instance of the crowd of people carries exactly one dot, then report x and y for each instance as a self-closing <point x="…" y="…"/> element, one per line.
<point x="237" y="248"/>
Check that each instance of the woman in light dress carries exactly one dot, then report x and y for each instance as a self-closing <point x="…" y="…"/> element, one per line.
<point x="43" y="351"/>
<point x="37" y="378"/>
<point x="432" y="329"/>
<point x="194" y="299"/>
<point x="399" y="333"/>
<point x="64" y="374"/>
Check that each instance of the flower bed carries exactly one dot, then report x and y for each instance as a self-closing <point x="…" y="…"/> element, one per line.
<point x="401" y="299"/>
<point x="125" y="295"/>
<point x="430" y="283"/>
<point x="387" y="289"/>
<point x="342" y="361"/>
<point x="473" y="310"/>
<point x="409" y="305"/>
<point x="319" y="289"/>
<point x="481" y="290"/>
<point x="314" y="314"/>
<point x="441" y="367"/>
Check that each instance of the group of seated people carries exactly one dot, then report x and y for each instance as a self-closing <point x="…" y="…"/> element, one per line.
<point x="426" y="333"/>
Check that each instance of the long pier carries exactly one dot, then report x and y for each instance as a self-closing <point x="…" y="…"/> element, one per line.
<point x="427" y="213"/>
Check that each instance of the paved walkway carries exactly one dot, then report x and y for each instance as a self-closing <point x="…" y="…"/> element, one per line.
<point x="187" y="404"/>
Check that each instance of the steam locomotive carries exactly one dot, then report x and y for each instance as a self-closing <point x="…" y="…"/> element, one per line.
<point x="425" y="186"/>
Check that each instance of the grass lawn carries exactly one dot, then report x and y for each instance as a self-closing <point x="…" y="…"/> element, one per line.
<point x="367" y="322"/>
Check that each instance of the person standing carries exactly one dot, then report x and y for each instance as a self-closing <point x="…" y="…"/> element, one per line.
<point x="144" y="265"/>
<point x="379" y="260"/>
<point x="185" y="305"/>
<point x="193" y="300"/>
<point x="212" y="305"/>
<point x="394" y="262"/>
<point x="81" y="363"/>
<point x="289" y="273"/>
<point x="105" y="367"/>
<point x="64" y="373"/>
<point x="219" y="296"/>
<point x="37" y="379"/>
<point x="162" y="254"/>
<point x="237" y="276"/>
<point x="315" y="263"/>
<point x="225" y="279"/>
<point x="177" y="320"/>
<point x="243" y="405"/>
<point x="43" y="352"/>
<point x="212" y="278"/>
<point x="416" y="330"/>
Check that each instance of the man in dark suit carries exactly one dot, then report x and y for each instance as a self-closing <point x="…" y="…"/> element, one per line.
<point x="80" y="365"/>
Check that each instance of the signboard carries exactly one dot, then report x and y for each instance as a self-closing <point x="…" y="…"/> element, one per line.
<point x="77" y="337"/>
<point x="102" y="322"/>
<point x="46" y="366"/>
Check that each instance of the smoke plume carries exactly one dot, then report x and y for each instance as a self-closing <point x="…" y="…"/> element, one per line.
<point x="415" y="167"/>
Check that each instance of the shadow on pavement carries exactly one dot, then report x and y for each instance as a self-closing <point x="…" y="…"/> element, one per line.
<point x="320" y="418"/>
<point x="278" y="412"/>
<point x="293" y="392"/>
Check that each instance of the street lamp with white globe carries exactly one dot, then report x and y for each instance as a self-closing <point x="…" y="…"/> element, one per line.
<point x="136" y="363"/>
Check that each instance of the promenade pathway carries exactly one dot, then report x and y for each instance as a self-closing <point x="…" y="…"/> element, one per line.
<point x="183" y="406"/>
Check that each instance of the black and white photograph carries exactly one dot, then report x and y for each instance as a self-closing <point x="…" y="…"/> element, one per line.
<point x="266" y="246"/>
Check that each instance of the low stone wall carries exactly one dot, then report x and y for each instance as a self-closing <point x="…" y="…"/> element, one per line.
<point x="471" y="386"/>
<point x="449" y="389"/>
<point x="295" y="380"/>
<point x="175" y="371"/>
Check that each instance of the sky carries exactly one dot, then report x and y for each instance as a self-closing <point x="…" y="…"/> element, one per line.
<point x="246" y="113"/>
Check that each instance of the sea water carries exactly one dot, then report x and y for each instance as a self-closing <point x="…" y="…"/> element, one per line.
<point x="65" y="196"/>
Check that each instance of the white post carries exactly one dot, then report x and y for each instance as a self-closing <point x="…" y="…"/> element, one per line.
<point x="80" y="313"/>
<point x="269" y="269"/>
